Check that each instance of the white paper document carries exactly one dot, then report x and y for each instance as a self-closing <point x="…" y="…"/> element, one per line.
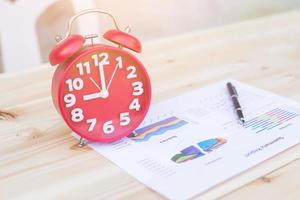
<point x="192" y="142"/>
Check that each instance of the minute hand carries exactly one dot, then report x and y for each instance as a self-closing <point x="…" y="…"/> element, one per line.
<point x="118" y="65"/>
<point x="102" y="78"/>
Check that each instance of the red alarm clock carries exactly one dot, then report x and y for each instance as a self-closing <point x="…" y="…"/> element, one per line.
<point x="102" y="92"/>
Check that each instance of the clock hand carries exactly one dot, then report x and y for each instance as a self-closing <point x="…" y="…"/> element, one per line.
<point x="118" y="65"/>
<point x="94" y="82"/>
<point x="99" y="94"/>
<point x="112" y="76"/>
<point x="92" y="96"/>
<point x="102" y="80"/>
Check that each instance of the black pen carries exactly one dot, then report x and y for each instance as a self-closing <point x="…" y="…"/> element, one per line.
<point x="234" y="96"/>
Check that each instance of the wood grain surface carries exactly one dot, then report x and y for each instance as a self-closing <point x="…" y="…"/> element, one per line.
<point x="38" y="159"/>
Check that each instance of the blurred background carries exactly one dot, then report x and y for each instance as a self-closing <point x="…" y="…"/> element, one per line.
<point x="28" y="27"/>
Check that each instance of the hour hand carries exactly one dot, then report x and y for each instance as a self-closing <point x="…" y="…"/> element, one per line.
<point x="101" y="94"/>
<point x="92" y="96"/>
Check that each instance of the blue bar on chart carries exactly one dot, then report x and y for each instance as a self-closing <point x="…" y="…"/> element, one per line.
<point x="269" y="120"/>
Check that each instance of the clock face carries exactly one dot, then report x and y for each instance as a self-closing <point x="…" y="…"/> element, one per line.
<point x="104" y="94"/>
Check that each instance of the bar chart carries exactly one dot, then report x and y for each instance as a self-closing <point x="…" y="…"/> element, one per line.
<point x="269" y="120"/>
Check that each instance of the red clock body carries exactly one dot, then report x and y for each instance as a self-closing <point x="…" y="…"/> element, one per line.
<point x="102" y="92"/>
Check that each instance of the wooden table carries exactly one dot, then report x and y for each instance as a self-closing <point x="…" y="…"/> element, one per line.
<point x="37" y="154"/>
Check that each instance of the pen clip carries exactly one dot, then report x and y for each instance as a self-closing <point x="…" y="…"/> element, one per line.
<point x="234" y="90"/>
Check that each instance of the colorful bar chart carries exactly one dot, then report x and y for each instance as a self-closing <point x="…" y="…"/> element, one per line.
<point x="198" y="150"/>
<point x="269" y="120"/>
<point x="158" y="128"/>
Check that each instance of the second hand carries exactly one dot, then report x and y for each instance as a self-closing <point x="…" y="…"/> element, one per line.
<point x="95" y="83"/>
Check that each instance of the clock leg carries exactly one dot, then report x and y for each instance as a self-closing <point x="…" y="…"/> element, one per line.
<point x="133" y="134"/>
<point x="82" y="142"/>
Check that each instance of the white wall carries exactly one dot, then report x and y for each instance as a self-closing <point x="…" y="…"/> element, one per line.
<point x="150" y="19"/>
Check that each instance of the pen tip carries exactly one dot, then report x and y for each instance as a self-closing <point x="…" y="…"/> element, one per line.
<point x="242" y="121"/>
